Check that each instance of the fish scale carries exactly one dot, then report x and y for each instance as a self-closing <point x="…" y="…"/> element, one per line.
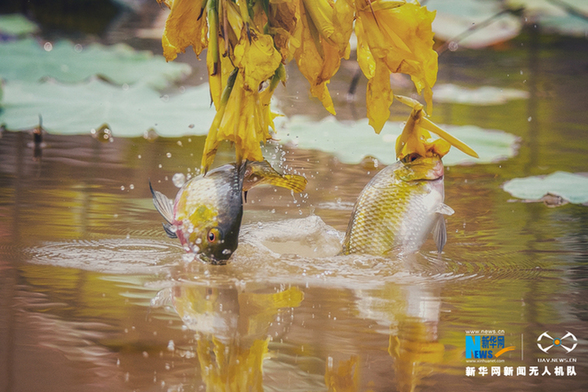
<point x="393" y="213"/>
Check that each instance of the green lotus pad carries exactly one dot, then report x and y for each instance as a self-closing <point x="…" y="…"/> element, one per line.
<point x="570" y="186"/>
<point x="16" y="25"/>
<point x="128" y="110"/>
<point x="352" y="142"/>
<point x="28" y="60"/>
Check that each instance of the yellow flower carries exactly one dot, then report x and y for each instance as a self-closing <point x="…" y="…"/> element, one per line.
<point x="415" y="137"/>
<point x="249" y="41"/>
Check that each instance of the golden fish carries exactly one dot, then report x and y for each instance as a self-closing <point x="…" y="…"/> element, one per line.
<point x="207" y="211"/>
<point x="403" y="203"/>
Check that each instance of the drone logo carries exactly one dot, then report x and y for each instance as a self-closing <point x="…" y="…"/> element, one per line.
<point x="557" y="342"/>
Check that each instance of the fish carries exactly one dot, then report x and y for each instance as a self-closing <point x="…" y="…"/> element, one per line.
<point x="207" y="211"/>
<point x="402" y="204"/>
<point x="398" y="208"/>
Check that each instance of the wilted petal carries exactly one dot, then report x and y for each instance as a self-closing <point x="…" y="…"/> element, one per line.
<point x="185" y="26"/>
<point x="258" y="58"/>
<point x="318" y="60"/>
<point x="402" y="36"/>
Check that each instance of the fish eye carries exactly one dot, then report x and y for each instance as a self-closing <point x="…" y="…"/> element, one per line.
<point x="213" y="235"/>
<point x="411" y="157"/>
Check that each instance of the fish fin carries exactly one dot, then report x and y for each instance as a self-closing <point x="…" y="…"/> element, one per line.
<point x="168" y="230"/>
<point x="262" y="173"/>
<point x="444" y="209"/>
<point x="293" y="182"/>
<point x="162" y="204"/>
<point x="440" y="233"/>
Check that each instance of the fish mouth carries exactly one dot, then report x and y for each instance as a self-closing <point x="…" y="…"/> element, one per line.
<point x="423" y="168"/>
<point x="210" y="259"/>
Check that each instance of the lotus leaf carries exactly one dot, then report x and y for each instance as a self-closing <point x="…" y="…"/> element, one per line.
<point x="16" y="24"/>
<point x="128" y="110"/>
<point x="27" y="60"/>
<point x="351" y="142"/>
<point x="564" y="17"/>
<point x="572" y="187"/>
<point x="454" y="17"/>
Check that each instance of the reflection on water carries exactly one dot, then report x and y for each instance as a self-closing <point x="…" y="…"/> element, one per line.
<point x="94" y="296"/>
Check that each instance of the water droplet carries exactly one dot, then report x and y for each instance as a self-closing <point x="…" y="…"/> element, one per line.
<point x="179" y="179"/>
<point x="168" y="155"/>
<point x="188" y="258"/>
<point x="165" y="98"/>
<point x="453" y="46"/>
<point x="145" y="354"/>
<point x="180" y="143"/>
<point x="125" y="87"/>
<point x="227" y="251"/>
<point x="131" y="186"/>
<point x="139" y="156"/>
<point x="78" y="48"/>
<point x="122" y="188"/>
<point x="171" y="346"/>
<point x="529" y="119"/>
<point x="48" y="46"/>
<point x="102" y="134"/>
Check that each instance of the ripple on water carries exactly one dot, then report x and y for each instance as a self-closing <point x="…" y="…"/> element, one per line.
<point x="298" y="251"/>
<point x="111" y="255"/>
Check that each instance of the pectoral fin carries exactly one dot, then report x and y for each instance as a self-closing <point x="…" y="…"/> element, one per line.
<point x="163" y="205"/>
<point x="440" y="233"/>
<point x="262" y="173"/>
<point x="169" y="230"/>
<point x="444" y="209"/>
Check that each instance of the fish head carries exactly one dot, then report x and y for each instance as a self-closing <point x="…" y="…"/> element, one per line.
<point x="207" y="217"/>
<point x="418" y="168"/>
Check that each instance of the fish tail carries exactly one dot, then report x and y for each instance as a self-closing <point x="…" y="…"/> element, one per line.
<point x="262" y="173"/>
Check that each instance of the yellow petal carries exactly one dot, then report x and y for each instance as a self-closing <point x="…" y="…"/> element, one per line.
<point x="379" y="96"/>
<point x="365" y="59"/>
<point x="185" y="26"/>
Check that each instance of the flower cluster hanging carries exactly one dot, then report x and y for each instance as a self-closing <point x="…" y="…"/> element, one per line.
<point x="250" y="41"/>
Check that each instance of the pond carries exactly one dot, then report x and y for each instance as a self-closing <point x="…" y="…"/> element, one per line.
<point x="95" y="297"/>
